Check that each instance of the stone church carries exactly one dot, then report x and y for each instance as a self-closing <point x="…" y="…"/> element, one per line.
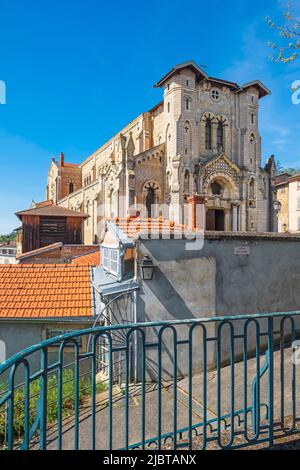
<point x="202" y="138"/>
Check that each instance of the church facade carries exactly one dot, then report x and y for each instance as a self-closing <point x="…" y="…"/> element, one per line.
<point x="202" y="138"/>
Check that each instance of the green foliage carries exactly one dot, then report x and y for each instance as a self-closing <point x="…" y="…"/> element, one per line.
<point x="68" y="392"/>
<point x="8" y="238"/>
<point x="289" y="33"/>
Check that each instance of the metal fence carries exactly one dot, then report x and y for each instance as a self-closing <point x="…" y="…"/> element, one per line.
<point x="197" y="384"/>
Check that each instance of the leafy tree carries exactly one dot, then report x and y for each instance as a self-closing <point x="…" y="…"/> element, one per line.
<point x="289" y="32"/>
<point x="8" y="238"/>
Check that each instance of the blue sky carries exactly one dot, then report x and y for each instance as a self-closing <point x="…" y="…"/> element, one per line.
<point x="77" y="71"/>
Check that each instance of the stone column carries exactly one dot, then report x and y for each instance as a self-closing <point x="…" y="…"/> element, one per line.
<point x="234" y="217"/>
<point x="197" y="212"/>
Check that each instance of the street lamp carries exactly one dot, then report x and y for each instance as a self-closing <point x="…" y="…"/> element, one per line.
<point x="147" y="268"/>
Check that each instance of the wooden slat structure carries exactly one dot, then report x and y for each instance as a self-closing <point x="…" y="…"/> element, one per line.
<point x="47" y="223"/>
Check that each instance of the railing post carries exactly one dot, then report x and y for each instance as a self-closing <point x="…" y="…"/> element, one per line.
<point x="43" y="399"/>
<point x="271" y="379"/>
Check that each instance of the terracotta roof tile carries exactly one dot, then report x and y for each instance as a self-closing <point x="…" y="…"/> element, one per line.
<point x="91" y="259"/>
<point x="38" y="291"/>
<point x="134" y="227"/>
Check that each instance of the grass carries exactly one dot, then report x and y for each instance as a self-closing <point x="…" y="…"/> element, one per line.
<point x="68" y="392"/>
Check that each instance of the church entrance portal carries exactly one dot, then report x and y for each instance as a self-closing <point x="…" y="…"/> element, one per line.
<point x="215" y="220"/>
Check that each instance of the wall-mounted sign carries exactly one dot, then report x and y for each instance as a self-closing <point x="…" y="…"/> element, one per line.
<point x="242" y="250"/>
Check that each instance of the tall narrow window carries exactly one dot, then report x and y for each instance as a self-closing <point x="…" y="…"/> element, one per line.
<point x="71" y="187"/>
<point x="220" y="137"/>
<point x="187" y="104"/>
<point x="169" y="107"/>
<point x="187" y="182"/>
<point x="208" y="135"/>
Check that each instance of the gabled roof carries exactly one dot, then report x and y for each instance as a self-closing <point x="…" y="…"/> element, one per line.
<point x="189" y="64"/>
<point x="263" y="90"/>
<point x="51" y="210"/>
<point x="201" y="74"/>
<point x="44" y="249"/>
<point x="50" y="291"/>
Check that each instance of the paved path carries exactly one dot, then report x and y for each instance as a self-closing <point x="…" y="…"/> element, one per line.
<point x="135" y="404"/>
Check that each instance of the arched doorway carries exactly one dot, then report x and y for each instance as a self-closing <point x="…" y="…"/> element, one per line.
<point x="221" y="213"/>
<point x="151" y="196"/>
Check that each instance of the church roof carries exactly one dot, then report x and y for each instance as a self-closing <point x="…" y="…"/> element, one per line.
<point x="189" y="64"/>
<point x="263" y="90"/>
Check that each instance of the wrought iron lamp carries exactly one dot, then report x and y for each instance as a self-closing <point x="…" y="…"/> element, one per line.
<point x="147" y="268"/>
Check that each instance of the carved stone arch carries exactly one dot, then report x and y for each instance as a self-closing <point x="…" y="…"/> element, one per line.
<point x="222" y="118"/>
<point x="225" y="180"/>
<point x="207" y="115"/>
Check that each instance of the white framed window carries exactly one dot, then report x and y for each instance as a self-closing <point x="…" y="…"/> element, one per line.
<point x="110" y="260"/>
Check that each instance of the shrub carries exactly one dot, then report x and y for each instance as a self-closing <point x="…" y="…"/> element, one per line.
<point x="68" y="391"/>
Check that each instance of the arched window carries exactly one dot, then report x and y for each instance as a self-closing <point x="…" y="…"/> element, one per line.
<point x="186" y="182"/>
<point x="208" y="142"/>
<point x="71" y="187"/>
<point x="220" y="137"/>
<point x="216" y="189"/>
<point x="252" y="189"/>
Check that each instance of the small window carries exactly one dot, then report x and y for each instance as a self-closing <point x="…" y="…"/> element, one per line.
<point x="187" y="83"/>
<point x="71" y="187"/>
<point x="252" y="118"/>
<point x="110" y="260"/>
<point x="187" y="104"/>
<point x="169" y="107"/>
<point x="215" y="95"/>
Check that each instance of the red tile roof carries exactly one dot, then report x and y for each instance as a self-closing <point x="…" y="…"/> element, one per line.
<point x="91" y="259"/>
<point x="45" y="291"/>
<point x="134" y="227"/>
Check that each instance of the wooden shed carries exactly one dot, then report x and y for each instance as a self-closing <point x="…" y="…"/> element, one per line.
<point x="47" y="223"/>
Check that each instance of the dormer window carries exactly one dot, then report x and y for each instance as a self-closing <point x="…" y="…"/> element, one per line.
<point x="110" y="260"/>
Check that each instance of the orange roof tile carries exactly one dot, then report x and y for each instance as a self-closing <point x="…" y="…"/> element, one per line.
<point x="39" y="291"/>
<point x="134" y="227"/>
<point x="91" y="259"/>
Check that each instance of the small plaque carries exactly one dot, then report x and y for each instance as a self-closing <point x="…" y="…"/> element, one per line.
<point x="242" y="250"/>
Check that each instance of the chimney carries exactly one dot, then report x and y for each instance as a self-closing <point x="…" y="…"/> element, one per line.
<point x="62" y="159"/>
<point x="197" y="212"/>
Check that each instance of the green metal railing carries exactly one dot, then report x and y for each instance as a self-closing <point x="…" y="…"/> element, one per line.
<point x="236" y="373"/>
